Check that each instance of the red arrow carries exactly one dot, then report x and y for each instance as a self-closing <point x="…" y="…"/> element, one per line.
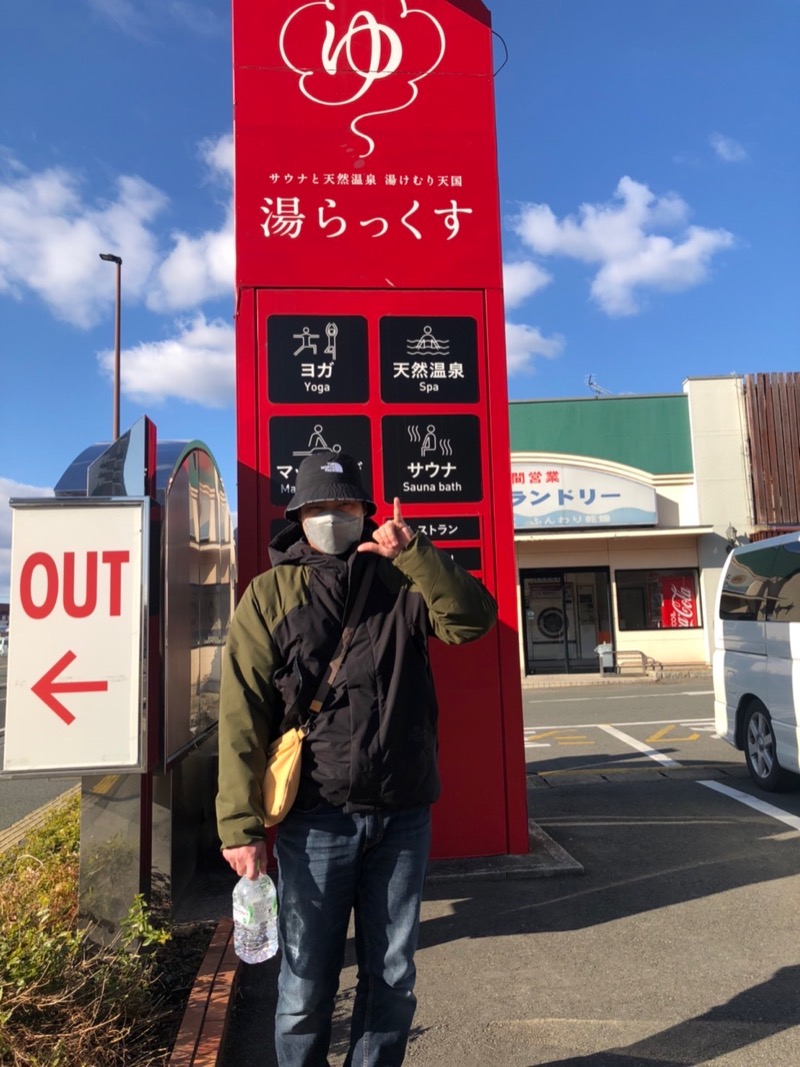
<point x="46" y="688"/>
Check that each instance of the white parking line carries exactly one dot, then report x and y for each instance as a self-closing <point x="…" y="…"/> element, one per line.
<point x="628" y="696"/>
<point x="754" y="802"/>
<point x="642" y="722"/>
<point x="571" y="700"/>
<point x="640" y="746"/>
<point x="655" y="696"/>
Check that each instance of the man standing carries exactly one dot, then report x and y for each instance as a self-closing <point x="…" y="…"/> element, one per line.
<point x="358" y="835"/>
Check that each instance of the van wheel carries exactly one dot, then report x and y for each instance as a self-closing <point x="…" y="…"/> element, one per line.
<point x="759" y="748"/>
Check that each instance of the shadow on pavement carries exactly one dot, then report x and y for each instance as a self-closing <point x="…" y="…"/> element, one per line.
<point x="773" y="1005"/>
<point x="663" y="844"/>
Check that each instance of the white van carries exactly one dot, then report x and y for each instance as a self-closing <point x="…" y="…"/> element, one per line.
<point x="757" y="658"/>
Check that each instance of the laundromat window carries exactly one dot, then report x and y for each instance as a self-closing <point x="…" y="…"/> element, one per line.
<point x="658" y="600"/>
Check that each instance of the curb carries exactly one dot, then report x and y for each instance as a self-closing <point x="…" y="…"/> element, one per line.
<point x="664" y="675"/>
<point x="205" y="1019"/>
<point x="18" y="831"/>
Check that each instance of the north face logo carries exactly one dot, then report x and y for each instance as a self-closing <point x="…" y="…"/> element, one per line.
<point x="332" y="468"/>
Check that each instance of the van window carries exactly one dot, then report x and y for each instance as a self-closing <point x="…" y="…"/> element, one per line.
<point x="783" y="593"/>
<point x="745" y="586"/>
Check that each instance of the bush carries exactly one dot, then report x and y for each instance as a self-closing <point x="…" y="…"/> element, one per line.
<point x="65" y="1002"/>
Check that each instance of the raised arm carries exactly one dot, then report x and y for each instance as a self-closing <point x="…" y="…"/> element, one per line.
<point x="460" y="607"/>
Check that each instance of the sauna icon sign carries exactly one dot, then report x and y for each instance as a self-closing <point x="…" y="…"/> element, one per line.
<point x="74" y="693"/>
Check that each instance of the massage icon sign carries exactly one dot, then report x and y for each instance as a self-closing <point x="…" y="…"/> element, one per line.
<point x="381" y="45"/>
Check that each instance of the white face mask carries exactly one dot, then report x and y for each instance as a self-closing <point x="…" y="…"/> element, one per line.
<point x="333" y="531"/>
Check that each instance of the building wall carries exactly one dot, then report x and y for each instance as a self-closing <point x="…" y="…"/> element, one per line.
<point x="772" y="406"/>
<point x="718" y="432"/>
<point x="691" y="448"/>
<point x="645" y="553"/>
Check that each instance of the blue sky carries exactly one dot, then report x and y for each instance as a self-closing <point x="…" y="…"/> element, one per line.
<point x="648" y="158"/>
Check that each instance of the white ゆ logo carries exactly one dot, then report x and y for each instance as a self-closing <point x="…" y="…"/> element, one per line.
<point x="383" y="53"/>
<point x="363" y="22"/>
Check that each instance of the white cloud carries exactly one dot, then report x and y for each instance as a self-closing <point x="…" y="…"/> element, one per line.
<point x="141" y="19"/>
<point x="217" y="154"/>
<point x="52" y="236"/>
<point x="659" y="264"/>
<point x="728" y="150"/>
<point x="525" y="343"/>
<point x="9" y="489"/>
<point x="201" y="268"/>
<point x="619" y="236"/>
<point x="523" y="279"/>
<point x="196" y="365"/>
<point x="199" y="18"/>
<point x="52" y="240"/>
<point x="197" y="269"/>
<point x="122" y="13"/>
<point x="50" y="245"/>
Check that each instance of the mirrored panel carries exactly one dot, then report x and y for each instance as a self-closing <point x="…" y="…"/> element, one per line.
<point x="198" y="597"/>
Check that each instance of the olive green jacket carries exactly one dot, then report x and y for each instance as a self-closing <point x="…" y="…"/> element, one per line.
<point x="374" y="744"/>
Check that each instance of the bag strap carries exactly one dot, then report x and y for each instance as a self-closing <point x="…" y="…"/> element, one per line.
<point x="347" y="635"/>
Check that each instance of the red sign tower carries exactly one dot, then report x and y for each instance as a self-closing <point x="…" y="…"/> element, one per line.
<point x="370" y="320"/>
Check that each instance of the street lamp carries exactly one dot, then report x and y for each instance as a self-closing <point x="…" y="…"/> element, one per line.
<point x="110" y="258"/>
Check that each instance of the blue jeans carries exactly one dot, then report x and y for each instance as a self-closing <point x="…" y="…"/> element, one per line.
<point x="330" y="863"/>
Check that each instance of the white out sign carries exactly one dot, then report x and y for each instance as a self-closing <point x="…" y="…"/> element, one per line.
<point x="75" y="667"/>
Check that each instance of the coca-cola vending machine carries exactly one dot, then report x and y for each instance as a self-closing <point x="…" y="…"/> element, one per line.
<point x="678" y="602"/>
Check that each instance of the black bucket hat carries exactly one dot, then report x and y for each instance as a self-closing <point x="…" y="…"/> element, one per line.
<point x="328" y="476"/>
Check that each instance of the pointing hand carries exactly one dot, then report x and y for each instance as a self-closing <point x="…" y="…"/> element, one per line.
<point x="390" y="539"/>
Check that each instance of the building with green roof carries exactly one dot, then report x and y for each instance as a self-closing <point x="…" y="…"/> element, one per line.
<point x="623" y="507"/>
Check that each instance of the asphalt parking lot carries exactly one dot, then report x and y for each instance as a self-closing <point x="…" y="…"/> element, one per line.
<point x="678" y="944"/>
<point x="672" y="940"/>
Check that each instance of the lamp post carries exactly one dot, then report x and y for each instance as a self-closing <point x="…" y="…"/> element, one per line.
<point x="110" y="258"/>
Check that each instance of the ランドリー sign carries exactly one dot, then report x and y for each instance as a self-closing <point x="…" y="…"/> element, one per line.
<point x="556" y="495"/>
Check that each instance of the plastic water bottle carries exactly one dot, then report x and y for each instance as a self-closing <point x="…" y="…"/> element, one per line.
<point x="255" y="919"/>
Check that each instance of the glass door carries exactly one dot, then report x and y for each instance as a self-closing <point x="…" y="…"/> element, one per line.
<point x="565" y="616"/>
<point x="547" y="626"/>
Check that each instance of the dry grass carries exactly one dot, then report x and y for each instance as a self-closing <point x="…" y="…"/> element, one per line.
<point x="64" y="1002"/>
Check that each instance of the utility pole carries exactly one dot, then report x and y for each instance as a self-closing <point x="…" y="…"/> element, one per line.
<point x="110" y="258"/>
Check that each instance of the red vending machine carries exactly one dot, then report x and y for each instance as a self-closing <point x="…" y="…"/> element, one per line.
<point x="370" y="320"/>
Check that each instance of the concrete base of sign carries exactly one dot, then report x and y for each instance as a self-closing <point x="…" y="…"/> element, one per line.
<point x="546" y="859"/>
